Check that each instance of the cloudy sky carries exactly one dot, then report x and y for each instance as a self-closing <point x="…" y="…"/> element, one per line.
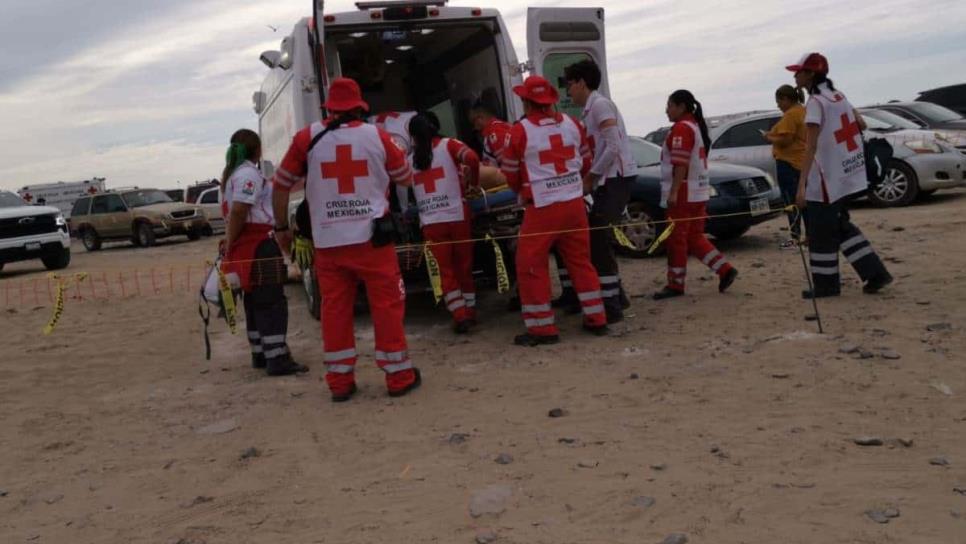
<point x="147" y="92"/>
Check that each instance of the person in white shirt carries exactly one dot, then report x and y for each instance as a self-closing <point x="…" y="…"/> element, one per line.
<point x="833" y="173"/>
<point x="609" y="182"/>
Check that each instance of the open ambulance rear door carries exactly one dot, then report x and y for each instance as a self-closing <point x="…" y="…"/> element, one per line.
<point x="559" y="37"/>
<point x="318" y="48"/>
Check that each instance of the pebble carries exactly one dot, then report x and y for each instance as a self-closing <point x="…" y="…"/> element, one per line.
<point x="863" y="354"/>
<point x="588" y="463"/>
<point x="923" y="302"/>
<point x="250" y="453"/>
<point x="939" y="327"/>
<point x="219" y="427"/>
<point x="867" y="441"/>
<point x="890" y="355"/>
<point x="675" y="538"/>
<point x="942" y="388"/>
<point x="849" y="349"/>
<point x="503" y="459"/>
<point x="458" y="438"/>
<point x="882" y="516"/>
<point x="898" y="229"/>
<point x="490" y="500"/>
<point x="905" y="442"/>
<point x="557" y="412"/>
<point x="659" y="467"/>
<point x="53" y="498"/>
<point x="644" y="502"/>
<point x="940" y="461"/>
<point x="634" y="376"/>
<point x="485" y="537"/>
<point x="961" y="489"/>
<point x="200" y="499"/>
<point x="780" y="375"/>
<point x="3" y="493"/>
<point x="566" y="440"/>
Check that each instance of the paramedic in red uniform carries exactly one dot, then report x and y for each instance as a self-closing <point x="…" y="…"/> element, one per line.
<point x="348" y="166"/>
<point x="545" y="163"/>
<point x="254" y="256"/>
<point x="833" y="172"/>
<point x="685" y="190"/>
<point x="494" y="132"/>
<point x="443" y="168"/>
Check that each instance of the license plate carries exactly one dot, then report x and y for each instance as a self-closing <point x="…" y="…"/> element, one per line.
<point x="33" y="246"/>
<point x="760" y="207"/>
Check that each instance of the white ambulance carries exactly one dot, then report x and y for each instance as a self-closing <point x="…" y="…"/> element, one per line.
<point x="61" y="194"/>
<point x="418" y="55"/>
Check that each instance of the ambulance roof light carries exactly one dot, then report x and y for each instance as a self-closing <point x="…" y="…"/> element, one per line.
<point x="400" y="3"/>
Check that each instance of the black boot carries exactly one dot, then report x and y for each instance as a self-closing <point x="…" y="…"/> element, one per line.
<point x="807" y="294"/>
<point x="344" y="397"/>
<point x="531" y="340"/>
<point x="285" y="367"/>
<point x="409" y="388"/>
<point x="876" y="284"/>
<point x="667" y="292"/>
<point x="625" y="302"/>
<point x="462" y="327"/>
<point x="725" y="282"/>
<point x="600" y="330"/>
<point x="258" y="360"/>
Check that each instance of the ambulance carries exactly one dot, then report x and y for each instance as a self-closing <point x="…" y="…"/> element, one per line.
<point x="61" y="194"/>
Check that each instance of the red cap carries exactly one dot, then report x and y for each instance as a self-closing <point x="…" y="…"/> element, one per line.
<point x="813" y="62"/>
<point x="539" y="90"/>
<point x="345" y="95"/>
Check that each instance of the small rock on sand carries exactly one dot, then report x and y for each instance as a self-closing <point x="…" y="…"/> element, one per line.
<point x="867" y="441"/>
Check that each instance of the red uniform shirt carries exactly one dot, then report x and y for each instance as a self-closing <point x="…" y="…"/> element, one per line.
<point x="512" y="163"/>
<point x="294" y="164"/>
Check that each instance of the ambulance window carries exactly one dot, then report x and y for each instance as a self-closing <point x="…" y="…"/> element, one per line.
<point x="81" y="207"/>
<point x="553" y="70"/>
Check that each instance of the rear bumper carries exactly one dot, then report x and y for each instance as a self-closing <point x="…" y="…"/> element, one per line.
<point x="33" y="247"/>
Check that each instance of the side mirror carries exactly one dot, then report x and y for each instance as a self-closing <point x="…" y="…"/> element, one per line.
<point x="270" y="58"/>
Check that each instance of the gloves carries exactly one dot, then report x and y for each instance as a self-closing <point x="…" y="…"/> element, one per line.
<point x="302" y="252"/>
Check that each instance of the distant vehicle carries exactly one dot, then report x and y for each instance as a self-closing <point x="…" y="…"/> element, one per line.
<point x="176" y="195"/>
<point x="61" y="194"/>
<point x="921" y="161"/>
<point x="749" y="195"/>
<point x="191" y="193"/>
<point x="138" y="215"/>
<point x="952" y="97"/>
<point x="32" y="232"/>
<point x="947" y="122"/>
<point x="210" y="202"/>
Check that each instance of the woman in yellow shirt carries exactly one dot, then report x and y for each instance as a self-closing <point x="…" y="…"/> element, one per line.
<point x="788" y="148"/>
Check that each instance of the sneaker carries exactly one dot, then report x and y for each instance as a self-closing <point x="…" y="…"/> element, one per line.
<point x="725" y="282"/>
<point x="344" y="397"/>
<point x="667" y="292"/>
<point x="625" y="302"/>
<point x="412" y="386"/>
<point x="258" y="360"/>
<point x="600" y="330"/>
<point x="286" y="367"/>
<point x="531" y="340"/>
<point x="876" y="284"/>
<point x="820" y="293"/>
<point x="790" y="244"/>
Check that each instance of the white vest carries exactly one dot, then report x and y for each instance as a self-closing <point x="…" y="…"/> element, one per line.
<point x="839" y="156"/>
<point x="346" y="185"/>
<point x="553" y="160"/>
<point x="698" y="182"/>
<point x="598" y="110"/>
<point x="397" y="125"/>
<point x="439" y="194"/>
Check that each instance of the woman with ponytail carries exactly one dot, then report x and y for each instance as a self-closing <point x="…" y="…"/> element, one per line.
<point x="252" y="254"/>
<point x="787" y="138"/>
<point x="685" y="190"/>
<point x="443" y="170"/>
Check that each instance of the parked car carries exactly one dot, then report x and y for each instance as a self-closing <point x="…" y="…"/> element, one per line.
<point x="210" y="202"/>
<point x="32" y="232"/>
<point x="931" y="116"/>
<point x="748" y="196"/>
<point x="952" y="97"/>
<point x="921" y="160"/>
<point x="139" y="215"/>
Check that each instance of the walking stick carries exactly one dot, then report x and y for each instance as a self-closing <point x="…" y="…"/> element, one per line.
<point x="808" y="276"/>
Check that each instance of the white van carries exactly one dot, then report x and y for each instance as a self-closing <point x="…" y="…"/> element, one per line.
<point x="418" y="55"/>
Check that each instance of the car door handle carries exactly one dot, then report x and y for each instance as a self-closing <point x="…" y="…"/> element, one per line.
<point x="719" y="158"/>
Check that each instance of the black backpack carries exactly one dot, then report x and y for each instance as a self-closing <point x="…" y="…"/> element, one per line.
<point x="878" y="153"/>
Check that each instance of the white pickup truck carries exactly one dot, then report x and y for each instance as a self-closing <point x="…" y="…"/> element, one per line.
<point x="32" y="232"/>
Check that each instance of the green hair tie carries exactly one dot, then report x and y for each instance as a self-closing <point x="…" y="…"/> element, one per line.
<point x="236" y="155"/>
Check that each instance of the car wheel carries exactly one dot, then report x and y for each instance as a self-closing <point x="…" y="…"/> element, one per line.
<point x="92" y="242"/>
<point x="194" y="235"/>
<point x="641" y="227"/>
<point x="57" y="259"/>
<point x="730" y="234"/>
<point x="145" y="235"/>
<point x="311" y="286"/>
<point x="899" y="188"/>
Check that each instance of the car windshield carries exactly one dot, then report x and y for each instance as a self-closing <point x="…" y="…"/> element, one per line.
<point x="10" y="200"/>
<point x="890" y="118"/>
<point x="874" y="123"/>
<point x="645" y="153"/>
<point x="137" y="199"/>
<point x="934" y="113"/>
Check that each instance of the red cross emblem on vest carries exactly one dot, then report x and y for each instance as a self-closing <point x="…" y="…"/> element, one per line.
<point x="847" y="133"/>
<point x="703" y="155"/>
<point x="558" y="154"/>
<point x="428" y="178"/>
<point x="345" y="170"/>
<point x="28" y="197"/>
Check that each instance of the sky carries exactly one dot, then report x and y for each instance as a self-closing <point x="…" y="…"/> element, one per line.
<point x="147" y="93"/>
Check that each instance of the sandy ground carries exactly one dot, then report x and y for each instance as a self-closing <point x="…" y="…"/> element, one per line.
<point x="721" y="417"/>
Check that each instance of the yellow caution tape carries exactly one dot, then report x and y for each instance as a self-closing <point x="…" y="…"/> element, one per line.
<point x="62" y="285"/>
<point x="662" y="238"/>
<point x="502" y="278"/>
<point x="622" y="239"/>
<point x="434" y="276"/>
<point x="227" y="300"/>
